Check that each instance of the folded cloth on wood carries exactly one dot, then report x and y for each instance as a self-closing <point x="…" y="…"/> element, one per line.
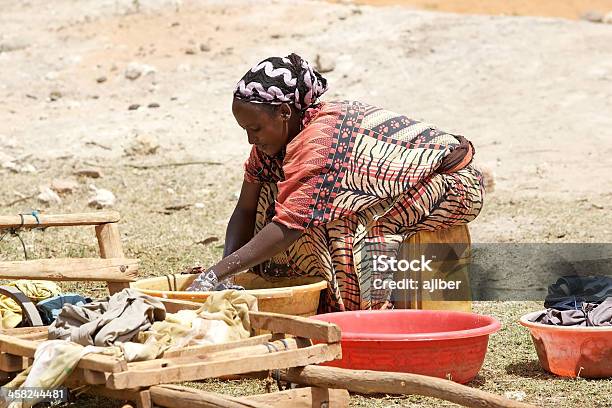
<point x="119" y="318"/>
<point x="10" y="311"/>
<point x="590" y="314"/>
<point x="222" y="318"/>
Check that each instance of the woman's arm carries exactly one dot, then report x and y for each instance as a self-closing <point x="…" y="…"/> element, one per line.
<point x="271" y="240"/>
<point x="241" y="226"/>
<point x="243" y="250"/>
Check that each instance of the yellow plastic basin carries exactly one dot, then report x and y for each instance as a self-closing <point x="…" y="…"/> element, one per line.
<point x="293" y="296"/>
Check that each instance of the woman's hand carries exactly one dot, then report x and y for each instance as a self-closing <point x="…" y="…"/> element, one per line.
<point x="271" y="240"/>
<point x="205" y="282"/>
<point x="208" y="281"/>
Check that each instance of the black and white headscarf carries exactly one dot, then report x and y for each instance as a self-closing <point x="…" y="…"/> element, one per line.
<point x="277" y="80"/>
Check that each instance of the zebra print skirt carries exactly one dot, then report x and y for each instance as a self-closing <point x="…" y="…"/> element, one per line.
<point x="341" y="251"/>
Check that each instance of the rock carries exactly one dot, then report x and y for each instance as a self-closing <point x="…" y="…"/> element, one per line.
<point x="542" y="169"/>
<point x="135" y="70"/>
<point x="101" y="79"/>
<point x="208" y="240"/>
<point x="27" y="168"/>
<point x="153" y="105"/>
<point x="515" y="395"/>
<point x="324" y="64"/>
<point x="199" y="206"/>
<point x="64" y="186"/>
<point x="51" y="76"/>
<point x="101" y="198"/>
<point x="190" y="51"/>
<point x="142" y="145"/>
<point x="5" y="158"/>
<point x="89" y="172"/>
<point x="48" y="196"/>
<point x="12" y="44"/>
<point x="607" y="19"/>
<point x="204" y="47"/>
<point x="184" y="68"/>
<point x="10" y="165"/>
<point x="178" y="207"/>
<point x="8" y="142"/>
<point x="16" y="167"/>
<point x="133" y="106"/>
<point x="592" y="16"/>
<point x="55" y="95"/>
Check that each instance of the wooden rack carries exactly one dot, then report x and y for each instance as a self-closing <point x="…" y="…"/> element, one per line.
<point x="113" y="268"/>
<point x="289" y="343"/>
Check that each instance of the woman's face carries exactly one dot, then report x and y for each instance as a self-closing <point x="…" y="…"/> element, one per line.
<point x="265" y="127"/>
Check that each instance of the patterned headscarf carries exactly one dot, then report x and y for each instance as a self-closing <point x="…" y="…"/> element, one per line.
<point x="277" y="80"/>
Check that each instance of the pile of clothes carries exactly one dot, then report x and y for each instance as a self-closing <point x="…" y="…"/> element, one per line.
<point x="578" y="301"/>
<point x="134" y="326"/>
<point x="46" y="295"/>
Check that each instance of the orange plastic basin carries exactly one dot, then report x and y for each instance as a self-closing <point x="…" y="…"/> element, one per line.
<point x="572" y="351"/>
<point x="438" y="343"/>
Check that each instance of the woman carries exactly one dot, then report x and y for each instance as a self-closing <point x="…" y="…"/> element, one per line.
<point x="330" y="184"/>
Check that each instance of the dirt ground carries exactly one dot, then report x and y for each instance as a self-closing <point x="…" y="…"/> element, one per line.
<point x="550" y="8"/>
<point x="534" y="94"/>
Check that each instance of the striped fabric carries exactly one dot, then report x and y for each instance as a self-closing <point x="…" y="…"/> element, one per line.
<point x="358" y="180"/>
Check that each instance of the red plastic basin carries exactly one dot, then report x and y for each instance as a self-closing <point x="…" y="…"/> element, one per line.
<point x="438" y="343"/>
<point x="572" y="351"/>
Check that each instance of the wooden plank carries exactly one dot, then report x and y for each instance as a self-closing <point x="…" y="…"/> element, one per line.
<point x="144" y="400"/>
<point x="24" y="331"/>
<point x="295" y="325"/>
<point x="198" y="370"/>
<point x="91" y="377"/>
<point x="96" y="362"/>
<point x="222" y="354"/>
<point x="378" y="382"/>
<point x="307" y="397"/>
<point x="174" y="396"/>
<point x="35" y="336"/>
<point x="59" y="220"/>
<point x="109" y="242"/>
<point x="68" y="269"/>
<point x="212" y="348"/>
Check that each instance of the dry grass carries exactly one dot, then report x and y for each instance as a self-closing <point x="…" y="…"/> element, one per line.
<point x="167" y="244"/>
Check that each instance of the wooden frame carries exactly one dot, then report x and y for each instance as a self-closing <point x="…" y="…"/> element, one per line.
<point x="289" y="343"/>
<point x="113" y="268"/>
